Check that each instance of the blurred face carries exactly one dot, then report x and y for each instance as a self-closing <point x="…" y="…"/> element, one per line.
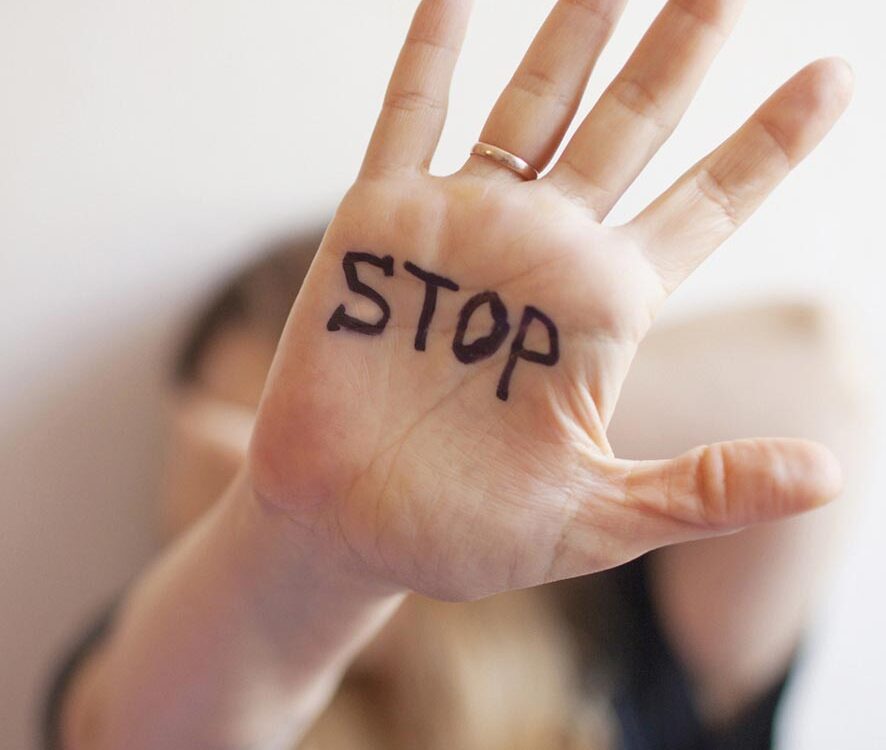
<point x="211" y="423"/>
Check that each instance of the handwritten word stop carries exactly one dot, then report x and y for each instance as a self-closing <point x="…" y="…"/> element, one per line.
<point x="466" y="352"/>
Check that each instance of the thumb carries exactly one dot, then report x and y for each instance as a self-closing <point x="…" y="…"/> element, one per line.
<point x="726" y="486"/>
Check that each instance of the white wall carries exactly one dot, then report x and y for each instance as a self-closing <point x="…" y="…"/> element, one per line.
<point x="148" y="148"/>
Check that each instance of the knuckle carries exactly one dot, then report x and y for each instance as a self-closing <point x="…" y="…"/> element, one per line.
<point x="715" y="190"/>
<point x="538" y="83"/>
<point x="593" y="6"/>
<point x="409" y="101"/>
<point x="429" y="42"/>
<point x="777" y="140"/>
<point x="597" y="9"/>
<point x="637" y="97"/>
<point x="712" y="14"/>
<point x="712" y="473"/>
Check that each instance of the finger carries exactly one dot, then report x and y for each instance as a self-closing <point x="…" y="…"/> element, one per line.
<point x="535" y="110"/>
<point x="414" y="110"/>
<point x="645" y="102"/>
<point x="724" y="487"/>
<point x="694" y="217"/>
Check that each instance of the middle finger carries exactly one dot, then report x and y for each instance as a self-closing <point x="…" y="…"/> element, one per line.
<point x="534" y="111"/>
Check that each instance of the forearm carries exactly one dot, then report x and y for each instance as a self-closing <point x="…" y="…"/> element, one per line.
<point x="235" y="638"/>
<point x="734" y="607"/>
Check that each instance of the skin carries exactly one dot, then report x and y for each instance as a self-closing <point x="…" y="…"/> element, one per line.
<point x="374" y="469"/>
<point x="402" y="461"/>
<point x="733" y="607"/>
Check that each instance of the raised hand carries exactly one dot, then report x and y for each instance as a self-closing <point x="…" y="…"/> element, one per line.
<point x="436" y="414"/>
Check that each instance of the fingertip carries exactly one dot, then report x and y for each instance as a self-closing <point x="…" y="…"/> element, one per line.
<point x="823" y="473"/>
<point x="801" y="113"/>
<point x="833" y="82"/>
<point x="840" y="69"/>
<point x="749" y="481"/>
<point x="805" y="476"/>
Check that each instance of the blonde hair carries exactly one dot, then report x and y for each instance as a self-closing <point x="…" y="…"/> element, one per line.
<point x="497" y="674"/>
<point x="504" y="673"/>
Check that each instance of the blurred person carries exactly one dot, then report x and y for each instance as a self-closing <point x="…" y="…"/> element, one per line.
<point x="384" y="515"/>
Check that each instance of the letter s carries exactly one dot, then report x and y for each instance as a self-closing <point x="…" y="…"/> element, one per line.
<point x="340" y="319"/>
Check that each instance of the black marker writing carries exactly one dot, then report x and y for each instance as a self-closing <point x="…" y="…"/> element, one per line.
<point x="466" y="352"/>
<point x="518" y="352"/>
<point x="432" y="283"/>
<point x="485" y="346"/>
<point x="340" y="319"/>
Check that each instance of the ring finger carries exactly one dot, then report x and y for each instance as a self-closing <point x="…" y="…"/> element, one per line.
<point x="534" y="111"/>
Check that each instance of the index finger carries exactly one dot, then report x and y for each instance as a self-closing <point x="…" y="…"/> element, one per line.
<point x="704" y="207"/>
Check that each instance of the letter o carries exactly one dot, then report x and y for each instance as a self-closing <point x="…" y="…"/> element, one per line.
<point x="485" y="346"/>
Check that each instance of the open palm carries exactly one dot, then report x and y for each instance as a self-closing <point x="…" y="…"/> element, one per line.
<point x="436" y="414"/>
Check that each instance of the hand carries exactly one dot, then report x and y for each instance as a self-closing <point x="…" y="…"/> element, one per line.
<point x="436" y="414"/>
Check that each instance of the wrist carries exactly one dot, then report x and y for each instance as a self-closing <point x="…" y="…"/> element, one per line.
<point x="302" y="550"/>
<point x="239" y="600"/>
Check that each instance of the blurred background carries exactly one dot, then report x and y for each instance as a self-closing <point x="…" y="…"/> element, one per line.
<point x="149" y="149"/>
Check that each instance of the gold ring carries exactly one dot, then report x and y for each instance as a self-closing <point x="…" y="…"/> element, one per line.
<point x="506" y="159"/>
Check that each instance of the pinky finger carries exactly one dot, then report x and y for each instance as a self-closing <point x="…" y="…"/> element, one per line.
<point x="692" y="219"/>
<point x="414" y="109"/>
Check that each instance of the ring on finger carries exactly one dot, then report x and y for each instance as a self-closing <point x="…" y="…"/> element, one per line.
<point x="506" y="159"/>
